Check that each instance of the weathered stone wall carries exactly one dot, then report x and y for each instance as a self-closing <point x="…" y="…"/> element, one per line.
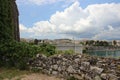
<point x="15" y="20"/>
<point x="80" y="66"/>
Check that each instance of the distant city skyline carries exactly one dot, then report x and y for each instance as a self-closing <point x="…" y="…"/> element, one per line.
<point x="81" y="19"/>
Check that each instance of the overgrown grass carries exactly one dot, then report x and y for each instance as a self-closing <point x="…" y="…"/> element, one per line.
<point x="6" y="73"/>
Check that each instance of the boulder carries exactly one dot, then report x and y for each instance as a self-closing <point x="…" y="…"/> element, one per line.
<point x="97" y="78"/>
<point x="54" y="72"/>
<point x="70" y="69"/>
<point x="85" y="66"/>
<point x="112" y="77"/>
<point x="96" y="70"/>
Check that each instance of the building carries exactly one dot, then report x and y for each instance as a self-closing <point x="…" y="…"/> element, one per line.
<point x="77" y="48"/>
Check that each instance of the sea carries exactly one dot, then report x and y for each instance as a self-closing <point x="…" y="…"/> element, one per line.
<point x="106" y="53"/>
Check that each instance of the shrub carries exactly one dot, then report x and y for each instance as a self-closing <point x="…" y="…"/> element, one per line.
<point x="69" y="52"/>
<point x="48" y="49"/>
<point x="16" y="54"/>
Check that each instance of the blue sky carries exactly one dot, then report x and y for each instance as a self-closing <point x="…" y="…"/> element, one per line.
<point x="68" y="18"/>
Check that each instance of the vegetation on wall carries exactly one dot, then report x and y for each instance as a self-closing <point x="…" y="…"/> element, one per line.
<point x="6" y="24"/>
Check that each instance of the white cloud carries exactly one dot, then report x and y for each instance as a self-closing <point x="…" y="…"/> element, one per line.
<point x="22" y="28"/>
<point x="108" y="34"/>
<point x="94" y="21"/>
<point x="39" y="27"/>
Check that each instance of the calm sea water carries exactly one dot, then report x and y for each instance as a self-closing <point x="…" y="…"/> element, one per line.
<point x="115" y="54"/>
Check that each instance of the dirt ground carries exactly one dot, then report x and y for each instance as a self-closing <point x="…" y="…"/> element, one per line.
<point x="35" y="76"/>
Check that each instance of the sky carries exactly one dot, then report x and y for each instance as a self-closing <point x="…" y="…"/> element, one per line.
<point x="79" y="19"/>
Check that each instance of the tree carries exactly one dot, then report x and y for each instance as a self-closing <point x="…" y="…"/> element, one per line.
<point x="114" y="43"/>
<point x="36" y="41"/>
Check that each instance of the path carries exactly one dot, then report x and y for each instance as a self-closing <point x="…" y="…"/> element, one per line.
<point x="36" y="76"/>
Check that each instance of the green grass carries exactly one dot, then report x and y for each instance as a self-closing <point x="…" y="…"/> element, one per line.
<point x="11" y="73"/>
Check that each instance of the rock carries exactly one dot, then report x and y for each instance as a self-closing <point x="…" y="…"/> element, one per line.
<point x="112" y="77"/>
<point x="78" y="77"/>
<point x="85" y="66"/>
<point x="97" y="78"/>
<point x="80" y="56"/>
<point x="59" y="69"/>
<point x="104" y="76"/>
<point x="87" y="77"/>
<point x="64" y="59"/>
<point x="77" y="60"/>
<point x="98" y="64"/>
<point x="118" y="66"/>
<point x="63" y="63"/>
<point x="82" y="67"/>
<point x="78" y="71"/>
<point x="63" y="68"/>
<point x="93" y="61"/>
<point x="55" y="67"/>
<point x="70" y="69"/>
<point x="96" y="70"/>
<point x="37" y="55"/>
<point x="54" y="72"/>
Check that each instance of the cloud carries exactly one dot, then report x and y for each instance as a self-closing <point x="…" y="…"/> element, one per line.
<point x="108" y="34"/>
<point x="22" y="28"/>
<point x="94" y="21"/>
<point x="41" y="27"/>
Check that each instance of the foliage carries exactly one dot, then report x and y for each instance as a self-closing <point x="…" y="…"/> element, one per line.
<point x="47" y="49"/>
<point x="97" y="43"/>
<point x="114" y="43"/>
<point x="65" y="52"/>
<point x="36" y="41"/>
<point x="16" y="54"/>
<point x="69" y="52"/>
<point x="84" y="51"/>
<point x="6" y="24"/>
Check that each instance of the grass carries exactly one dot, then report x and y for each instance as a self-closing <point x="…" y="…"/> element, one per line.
<point x="11" y="73"/>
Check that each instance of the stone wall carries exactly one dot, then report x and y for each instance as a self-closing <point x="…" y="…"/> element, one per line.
<point x="82" y="67"/>
<point x="15" y="20"/>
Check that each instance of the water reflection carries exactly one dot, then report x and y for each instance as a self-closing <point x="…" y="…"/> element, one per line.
<point x="115" y="54"/>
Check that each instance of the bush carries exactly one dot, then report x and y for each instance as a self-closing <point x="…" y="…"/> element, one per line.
<point x="48" y="49"/>
<point x="17" y="54"/>
<point x="69" y="52"/>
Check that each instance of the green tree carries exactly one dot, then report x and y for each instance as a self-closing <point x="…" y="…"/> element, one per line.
<point x="114" y="43"/>
<point x="36" y="41"/>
